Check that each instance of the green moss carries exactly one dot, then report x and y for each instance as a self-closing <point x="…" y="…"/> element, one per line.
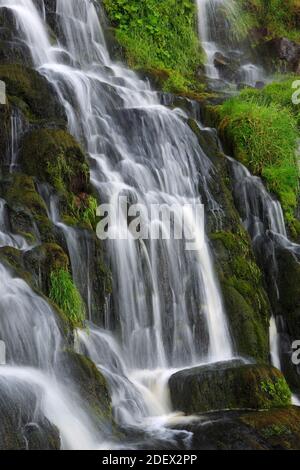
<point x="32" y="94"/>
<point x="159" y="35"/>
<point x="276" y="392"/>
<point x="53" y="156"/>
<point x="262" y="135"/>
<point x="64" y="293"/>
<point x="229" y="385"/>
<point x="27" y="208"/>
<point x="280" y="19"/>
<point x="91" y="385"/>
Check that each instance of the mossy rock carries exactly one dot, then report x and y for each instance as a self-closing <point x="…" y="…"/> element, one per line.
<point x="250" y="331"/>
<point x="242" y="282"/>
<point x="53" y="156"/>
<point x="5" y="115"/>
<point x="27" y="210"/>
<point x="23" y="425"/>
<point x="90" y="384"/>
<point x="44" y="259"/>
<point x="32" y="94"/>
<point x="276" y="429"/>
<point x="228" y="385"/>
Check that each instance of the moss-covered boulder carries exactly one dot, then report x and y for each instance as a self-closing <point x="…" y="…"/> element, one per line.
<point x="12" y="48"/>
<point x="228" y="385"/>
<point x="276" y="429"/>
<point x="33" y="95"/>
<point x="26" y="209"/>
<point x="90" y="384"/>
<point x="53" y="156"/>
<point x="44" y="259"/>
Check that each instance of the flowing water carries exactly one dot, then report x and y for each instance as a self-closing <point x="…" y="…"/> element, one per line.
<point x="167" y="301"/>
<point x="262" y="216"/>
<point x="217" y="21"/>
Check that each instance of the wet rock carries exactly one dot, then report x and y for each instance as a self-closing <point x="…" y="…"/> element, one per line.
<point x="23" y="425"/>
<point x="227" y="66"/>
<point x="33" y="95"/>
<point x="228" y="385"/>
<point x="277" y="429"/>
<point x="90" y="384"/>
<point x="281" y="54"/>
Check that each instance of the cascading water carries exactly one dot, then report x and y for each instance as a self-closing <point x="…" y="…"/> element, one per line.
<point x="168" y="306"/>
<point x="215" y="27"/>
<point x="263" y="218"/>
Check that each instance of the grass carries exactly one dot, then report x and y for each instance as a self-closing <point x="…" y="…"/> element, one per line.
<point x="64" y="293"/>
<point x="279" y="18"/>
<point x="159" y="35"/>
<point x="262" y="127"/>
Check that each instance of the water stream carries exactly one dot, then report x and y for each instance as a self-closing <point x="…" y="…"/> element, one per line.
<point x="216" y="27"/>
<point x="167" y="300"/>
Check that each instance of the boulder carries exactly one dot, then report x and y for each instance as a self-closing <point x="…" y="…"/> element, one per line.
<point x="23" y="424"/>
<point x="276" y="429"/>
<point x="227" y="66"/>
<point x="228" y="385"/>
<point x="282" y="54"/>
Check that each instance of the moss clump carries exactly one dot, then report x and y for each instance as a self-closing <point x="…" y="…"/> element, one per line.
<point x="276" y="392"/>
<point x="53" y="156"/>
<point x="261" y="131"/>
<point x="159" y="36"/>
<point x="32" y="94"/>
<point x="64" y="293"/>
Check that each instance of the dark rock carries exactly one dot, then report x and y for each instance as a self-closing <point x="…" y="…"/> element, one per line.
<point x="228" y="385"/>
<point x="23" y="425"/>
<point x="33" y="95"/>
<point x="81" y="373"/>
<point x="227" y="66"/>
<point x="277" y="429"/>
<point x="281" y="54"/>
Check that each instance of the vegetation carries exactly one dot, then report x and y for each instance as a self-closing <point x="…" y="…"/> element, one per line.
<point x="64" y="293"/>
<point x="277" y="392"/>
<point x="279" y="18"/>
<point x="261" y="127"/>
<point x="160" y="36"/>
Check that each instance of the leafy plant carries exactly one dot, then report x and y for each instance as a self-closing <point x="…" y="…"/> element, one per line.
<point x="159" y="35"/>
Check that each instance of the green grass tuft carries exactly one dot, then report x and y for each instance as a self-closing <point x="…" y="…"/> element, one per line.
<point x="261" y="126"/>
<point x="64" y="293"/>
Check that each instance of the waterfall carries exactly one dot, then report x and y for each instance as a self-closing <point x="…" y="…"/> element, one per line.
<point x="216" y="20"/>
<point x="166" y="299"/>
<point x="262" y="216"/>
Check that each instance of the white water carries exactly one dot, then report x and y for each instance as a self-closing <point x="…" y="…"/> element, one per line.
<point x="167" y="301"/>
<point x="263" y="218"/>
<point x="216" y="36"/>
<point x="274" y="344"/>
